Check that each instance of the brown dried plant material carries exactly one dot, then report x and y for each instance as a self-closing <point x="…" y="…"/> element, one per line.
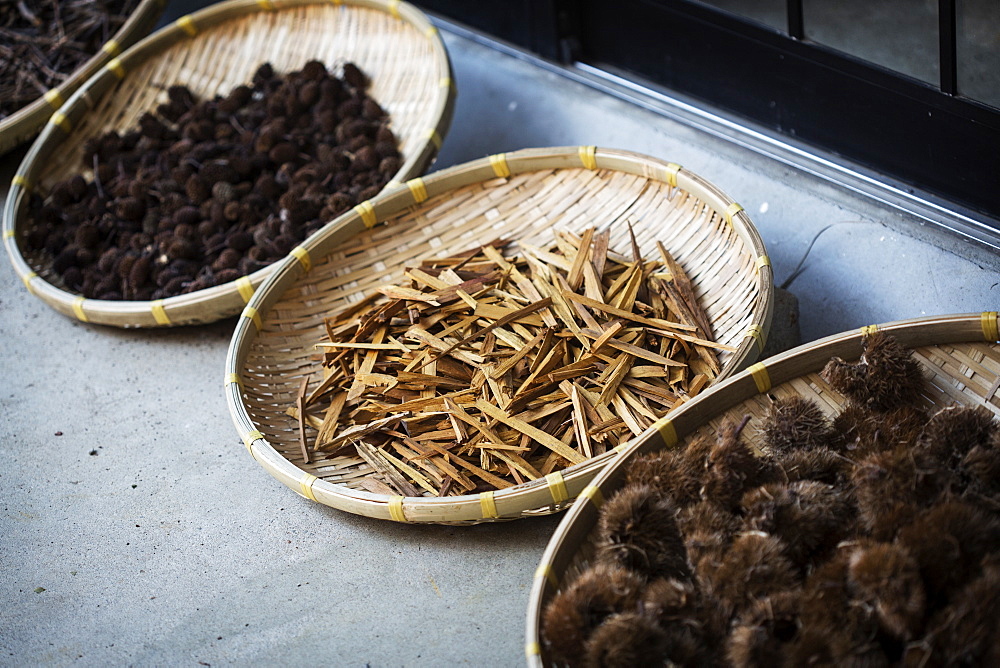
<point x="484" y="370"/>
<point x="44" y="41"/>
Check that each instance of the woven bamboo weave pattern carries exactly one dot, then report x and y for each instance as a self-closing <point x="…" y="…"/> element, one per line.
<point x="211" y="52"/>
<point x="957" y="357"/>
<point x="351" y="261"/>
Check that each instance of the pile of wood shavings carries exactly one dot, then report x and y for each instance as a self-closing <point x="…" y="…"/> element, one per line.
<point x="485" y="371"/>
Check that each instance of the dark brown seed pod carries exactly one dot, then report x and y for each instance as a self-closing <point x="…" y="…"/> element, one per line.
<point x="666" y="472"/>
<point x="863" y="432"/>
<point x="629" y="639"/>
<point x="967" y="631"/>
<point x="87" y="236"/>
<point x="753" y="566"/>
<point x="707" y="518"/>
<point x="809" y="517"/>
<point x="887" y="577"/>
<point x="796" y="423"/>
<point x="637" y="530"/>
<point x="140" y="272"/>
<point x="216" y="171"/>
<point x="197" y="189"/>
<point x="885" y="377"/>
<point x="884" y="486"/>
<point x="764" y="633"/>
<point x="834" y="627"/>
<point x="820" y="464"/>
<point x="355" y="77"/>
<point x="574" y="612"/>
<point x="283" y="152"/>
<point x="388" y="166"/>
<point x="952" y="432"/>
<point x="731" y="468"/>
<point x="314" y="70"/>
<point x="949" y="542"/>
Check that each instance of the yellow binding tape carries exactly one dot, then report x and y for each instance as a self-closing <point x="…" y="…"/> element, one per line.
<point x="396" y="509"/>
<point x="761" y="377"/>
<point x="78" y="309"/>
<point x="868" y="330"/>
<point x="763" y="261"/>
<point x="557" y="487"/>
<point x="112" y="48"/>
<point x="186" y="23"/>
<point x="435" y="138"/>
<point x="430" y="32"/>
<point x="394" y="8"/>
<point x="251" y="312"/>
<point x="988" y="319"/>
<point x="59" y="120"/>
<point x="498" y="161"/>
<point x="532" y="649"/>
<point x="488" y="505"/>
<point x="249" y="439"/>
<point x="302" y="255"/>
<point x="444" y="82"/>
<point x="417" y="189"/>
<point x="115" y="67"/>
<point x="731" y="211"/>
<point x="266" y="5"/>
<point x="757" y="333"/>
<point x="306" y="485"/>
<point x="21" y="182"/>
<point x="233" y="379"/>
<point x="367" y="213"/>
<point x="594" y="494"/>
<point x="26" y="279"/>
<point x="9" y="234"/>
<point x="245" y="288"/>
<point x="588" y="156"/>
<point x="545" y="571"/>
<point x="54" y="98"/>
<point x="159" y="313"/>
<point x="668" y="433"/>
<point x="671" y="173"/>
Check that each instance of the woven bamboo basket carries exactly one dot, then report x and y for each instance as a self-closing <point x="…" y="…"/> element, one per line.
<point x="212" y="51"/>
<point x="959" y="354"/>
<point x="519" y="196"/>
<point x="25" y="123"/>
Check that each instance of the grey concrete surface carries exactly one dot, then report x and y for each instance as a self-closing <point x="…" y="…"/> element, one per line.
<point x="135" y="529"/>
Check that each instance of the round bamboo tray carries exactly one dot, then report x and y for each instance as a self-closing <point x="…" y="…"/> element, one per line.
<point x="212" y="51"/>
<point x="959" y="355"/>
<point x="25" y="123"/>
<point x="520" y="196"/>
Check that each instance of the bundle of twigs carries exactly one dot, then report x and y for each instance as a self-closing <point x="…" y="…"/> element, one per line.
<point x="485" y="371"/>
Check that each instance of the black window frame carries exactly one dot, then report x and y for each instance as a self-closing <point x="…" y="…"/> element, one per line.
<point x="927" y="137"/>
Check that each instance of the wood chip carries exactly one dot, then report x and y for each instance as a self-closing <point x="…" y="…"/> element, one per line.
<point x="483" y="370"/>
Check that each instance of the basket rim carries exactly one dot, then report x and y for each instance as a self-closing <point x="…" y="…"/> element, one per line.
<point x="230" y="297"/>
<point x="756" y="379"/>
<point x="557" y="490"/>
<point x="20" y="126"/>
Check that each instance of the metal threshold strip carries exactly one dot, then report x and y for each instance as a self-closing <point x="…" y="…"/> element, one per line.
<point x="964" y="224"/>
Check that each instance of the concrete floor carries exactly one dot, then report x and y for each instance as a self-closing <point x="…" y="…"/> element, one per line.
<point x="137" y="531"/>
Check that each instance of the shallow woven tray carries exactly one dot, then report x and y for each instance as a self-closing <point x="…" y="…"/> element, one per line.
<point x="24" y="124"/>
<point x="211" y="52"/>
<point x="519" y="196"/>
<point x="959" y="355"/>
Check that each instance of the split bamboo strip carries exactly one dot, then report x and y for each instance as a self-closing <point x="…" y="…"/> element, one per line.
<point x="462" y="209"/>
